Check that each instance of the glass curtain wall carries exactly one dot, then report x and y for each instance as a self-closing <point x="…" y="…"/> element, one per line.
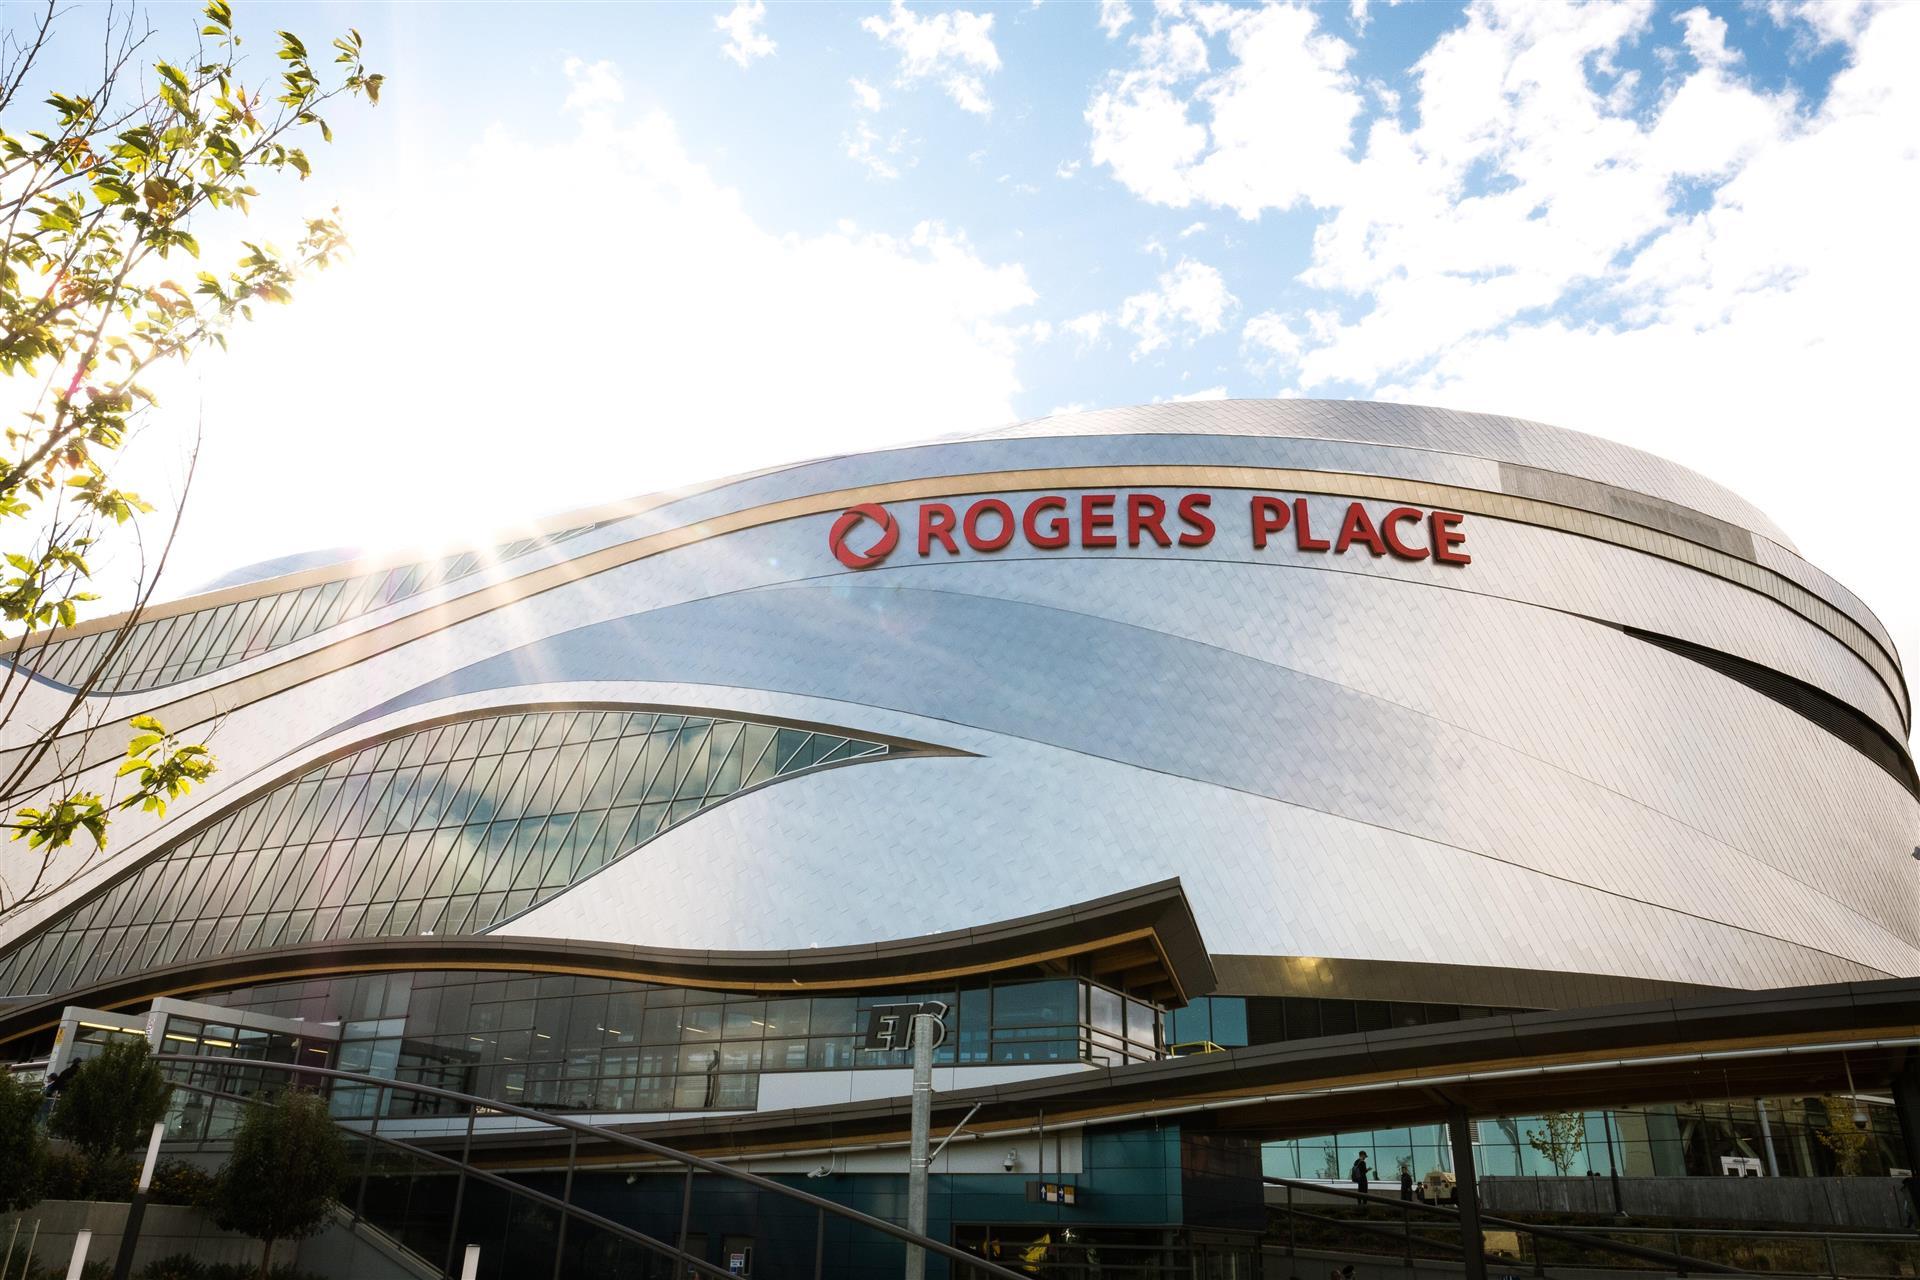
<point x="1232" y="1022"/>
<point x="448" y="830"/>
<point x="1691" y="1139"/>
<point x="591" y="1044"/>
<point x="168" y="650"/>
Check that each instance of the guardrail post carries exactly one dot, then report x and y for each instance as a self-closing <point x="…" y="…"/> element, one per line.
<point x="566" y="1198"/>
<point x="366" y="1165"/>
<point x="1466" y="1192"/>
<point x="1289" y="1220"/>
<point x="1833" y="1268"/>
<point x="459" y="1190"/>
<point x="1679" y="1269"/>
<point x="1406" y="1230"/>
<point x="686" y="1212"/>
<point x="820" y="1245"/>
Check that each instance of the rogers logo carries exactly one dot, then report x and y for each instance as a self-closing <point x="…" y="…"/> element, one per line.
<point x="882" y="546"/>
<point x="1106" y="521"/>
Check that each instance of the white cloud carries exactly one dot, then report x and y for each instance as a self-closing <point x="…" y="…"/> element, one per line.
<point x="1823" y="21"/>
<point x="865" y="96"/>
<point x="1114" y="17"/>
<point x="1205" y="393"/>
<point x="1087" y="327"/>
<point x="1276" y="126"/>
<point x="954" y="47"/>
<point x="1272" y="342"/>
<point x="741" y="25"/>
<point x="595" y="87"/>
<point x="1066" y="169"/>
<point x="1192" y="229"/>
<point x="1191" y="301"/>
<point x="879" y="156"/>
<point x="1702" y="264"/>
<point x="668" y="336"/>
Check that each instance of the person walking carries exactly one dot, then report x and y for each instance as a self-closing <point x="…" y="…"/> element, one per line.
<point x="1359" y="1174"/>
<point x="1406" y="1180"/>
<point x="50" y="1091"/>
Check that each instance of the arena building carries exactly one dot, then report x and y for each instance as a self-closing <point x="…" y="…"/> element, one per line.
<point x="1217" y="724"/>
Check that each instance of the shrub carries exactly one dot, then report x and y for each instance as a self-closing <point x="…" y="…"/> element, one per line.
<point x="112" y="1102"/>
<point x="183" y="1266"/>
<point x="95" y="1270"/>
<point x="177" y="1182"/>
<point x="289" y="1161"/>
<point x="23" y="1148"/>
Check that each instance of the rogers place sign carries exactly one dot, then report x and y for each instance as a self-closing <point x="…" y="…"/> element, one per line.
<point x="866" y="534"/>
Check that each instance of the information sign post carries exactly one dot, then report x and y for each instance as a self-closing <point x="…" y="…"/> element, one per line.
<point x="918" y="1028"/>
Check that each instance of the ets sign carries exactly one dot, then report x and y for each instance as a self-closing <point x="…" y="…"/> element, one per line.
<point x="865" y="535"/>
<point x="890" y="1026"/>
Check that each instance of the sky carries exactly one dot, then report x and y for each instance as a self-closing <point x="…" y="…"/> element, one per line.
<point x="601" y="250"/>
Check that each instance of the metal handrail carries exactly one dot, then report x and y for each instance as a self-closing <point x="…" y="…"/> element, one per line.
<point x="1679" y="1261"/>
<point x="692" y="1162"/>
<point x="639" y="1237"/>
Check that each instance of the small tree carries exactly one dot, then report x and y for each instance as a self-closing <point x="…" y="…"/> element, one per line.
<point x="289" y="1161"/>
<point x="101" y="288"/>
<point x="1561" y="1140"/>
<point x="112" y="1102"/>
<point x="1843" y="1136"/>
<point x="23" y="1147"/>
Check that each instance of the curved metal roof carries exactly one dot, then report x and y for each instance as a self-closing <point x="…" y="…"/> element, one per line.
<point x="1516" y="441"/>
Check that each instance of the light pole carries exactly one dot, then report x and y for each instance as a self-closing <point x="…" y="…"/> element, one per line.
<point x="926" y="1030"/>
<point x="130" y="1235"/>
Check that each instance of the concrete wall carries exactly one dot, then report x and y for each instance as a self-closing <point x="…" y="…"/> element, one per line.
<point x="171" y="1229"/>
<point x="1876" y="1204"/>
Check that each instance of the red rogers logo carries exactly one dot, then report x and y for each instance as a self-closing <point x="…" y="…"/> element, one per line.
<point x="882" y="546"/>
<point x="1053" y="521"/>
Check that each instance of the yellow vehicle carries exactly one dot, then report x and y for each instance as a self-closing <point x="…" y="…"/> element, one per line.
<point x="1187" y="1048"/>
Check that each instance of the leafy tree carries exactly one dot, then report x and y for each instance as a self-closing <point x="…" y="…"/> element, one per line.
<point x="110" y="1105"/>
<point x="289" y="1162"/>
<point x="1843" y="1136"/>
<point x="101" y="209"/>
<point x="23" y="1148"/>
<point x="1562" y="1138"/>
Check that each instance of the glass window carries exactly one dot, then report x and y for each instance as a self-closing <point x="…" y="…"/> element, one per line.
<point x="1029" y="1004"/>
<point x="1141" y="1019"/>
<point x="1229" y="1021"/>
<point x="406" y="835"/>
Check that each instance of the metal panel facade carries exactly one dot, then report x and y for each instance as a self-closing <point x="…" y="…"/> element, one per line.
<point x="1341" y="755"/>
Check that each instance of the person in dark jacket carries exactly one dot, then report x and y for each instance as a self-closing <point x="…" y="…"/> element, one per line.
<point x="1406" y="1182"/>
<point x="1359" y="1174"/>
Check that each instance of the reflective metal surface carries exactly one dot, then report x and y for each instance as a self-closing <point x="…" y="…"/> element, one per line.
<point x="1340" y="756"/>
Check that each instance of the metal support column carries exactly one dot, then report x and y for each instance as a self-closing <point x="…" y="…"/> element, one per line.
<point x="1906" y="1108"/>
<point x="1466" y="1193"/>
<point x="1613" y="1165"/>
<point x="1766" y="1138"/>
<point x="926" y="1029"/>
